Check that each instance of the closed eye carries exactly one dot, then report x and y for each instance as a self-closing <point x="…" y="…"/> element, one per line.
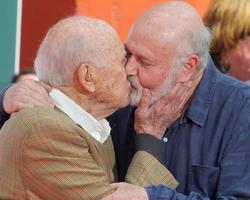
<point x="143" y="62"/>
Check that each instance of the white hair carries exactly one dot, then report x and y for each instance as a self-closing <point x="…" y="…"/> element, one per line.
<point x="194" y="43"/>
<point x="70" y="43"/>
<point x="194" y="37"/>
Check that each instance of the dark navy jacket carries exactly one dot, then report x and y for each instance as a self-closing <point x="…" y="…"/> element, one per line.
<point x="207" y="149"/>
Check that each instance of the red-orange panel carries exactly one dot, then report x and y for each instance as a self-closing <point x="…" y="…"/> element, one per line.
<point x="40" y="15"/>
<point x="37" y="17"/>
<point x="121" y="13"/>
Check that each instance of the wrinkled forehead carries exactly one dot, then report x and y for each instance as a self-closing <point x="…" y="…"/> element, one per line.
<point x="168" y="20"/>
<point x="151" y="37"/>
<point x="154" y="29"/>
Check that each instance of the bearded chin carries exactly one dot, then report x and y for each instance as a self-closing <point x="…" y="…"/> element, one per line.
<point x="136" y="90"/>
<point x="166" y="86"/>
<point x="135" y="96"/>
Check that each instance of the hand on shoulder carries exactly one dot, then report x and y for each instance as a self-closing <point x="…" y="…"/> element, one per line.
<point x="26" y="93"/>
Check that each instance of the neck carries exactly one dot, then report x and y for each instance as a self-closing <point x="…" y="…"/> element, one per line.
<point x="97" y="109"/>
<point x="191" y="87"/>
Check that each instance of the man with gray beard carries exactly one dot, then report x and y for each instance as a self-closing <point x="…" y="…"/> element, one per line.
<point x="204" y="141"/>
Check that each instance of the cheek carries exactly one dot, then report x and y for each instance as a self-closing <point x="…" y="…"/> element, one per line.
<point x="122" y="78"/>
<point x="151" y="79"/>
<point x="236" y="59"/>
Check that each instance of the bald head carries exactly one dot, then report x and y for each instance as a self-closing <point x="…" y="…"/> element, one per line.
<point x="176" y="22"/>
<point x="175" y="16"/>
<point x="74" y="41"/>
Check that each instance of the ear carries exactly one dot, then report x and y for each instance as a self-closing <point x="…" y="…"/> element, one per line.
<point x="187" y="71"/>
<point x="86" y="77"/>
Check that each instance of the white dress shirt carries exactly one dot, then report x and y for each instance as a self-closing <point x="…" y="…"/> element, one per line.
<point x="99" y="130"/>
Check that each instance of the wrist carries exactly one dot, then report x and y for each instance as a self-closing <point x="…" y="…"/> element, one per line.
<point x="150" y="144"/>
<point x="145" y="193"/>
<point x="152" y="133"/>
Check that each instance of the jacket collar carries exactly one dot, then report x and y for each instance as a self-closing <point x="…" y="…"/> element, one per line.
<point x="99" y="130"/>
<point x="201" y="101"/>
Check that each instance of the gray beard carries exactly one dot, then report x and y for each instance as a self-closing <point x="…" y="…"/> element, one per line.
<point x="136" y="89"/>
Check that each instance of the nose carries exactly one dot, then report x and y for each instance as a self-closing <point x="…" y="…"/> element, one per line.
<point x="131" y="66"/>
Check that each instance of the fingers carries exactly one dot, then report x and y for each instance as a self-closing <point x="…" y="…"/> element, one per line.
<point x="42" y="96"/>
<point x="24" y="103"/>
<point x="19" y="106"/>
<point x="26" y="93"/>
<point x="45" y="86"/>
<point x="35" y="87"/>
<point x="142" y="112"/>
<point x="118" y="185"/>
<point x="109" y="197"/>
<point x="145" y="99"/>
<point x="143" y="106"/>
<point x="115" y="186"/>
<point x="127" y="191"/>
<point x="32" y="93"/>
<point x="172" y="103"/>
<point x="176" y="94"/>
<point x="170" y="97"/>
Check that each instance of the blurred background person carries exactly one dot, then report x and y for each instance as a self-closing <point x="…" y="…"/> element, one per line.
<point x="229" y="21"/>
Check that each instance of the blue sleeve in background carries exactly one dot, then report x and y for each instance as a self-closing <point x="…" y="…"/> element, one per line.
<point x="161" y="192"/>
<point x="3" y="115"/>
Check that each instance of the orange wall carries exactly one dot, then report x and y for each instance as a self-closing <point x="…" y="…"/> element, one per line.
<point x="121" y="13"/>
<point x="39" y="15"/>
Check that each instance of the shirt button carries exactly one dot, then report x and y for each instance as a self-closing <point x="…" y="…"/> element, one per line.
<point x="165" y="139"/>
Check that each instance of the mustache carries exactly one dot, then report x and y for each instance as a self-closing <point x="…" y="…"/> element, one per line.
<point x="134" y="81"/>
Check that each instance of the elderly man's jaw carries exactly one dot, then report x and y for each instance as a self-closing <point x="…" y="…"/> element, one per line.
<point x="136" y="88"/>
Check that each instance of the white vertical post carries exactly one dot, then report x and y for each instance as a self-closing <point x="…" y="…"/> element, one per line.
<point x="18" y="36"/>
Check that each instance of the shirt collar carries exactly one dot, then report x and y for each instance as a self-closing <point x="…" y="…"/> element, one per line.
<point x="99" y="130"/>
<point x="200" y="103"/>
